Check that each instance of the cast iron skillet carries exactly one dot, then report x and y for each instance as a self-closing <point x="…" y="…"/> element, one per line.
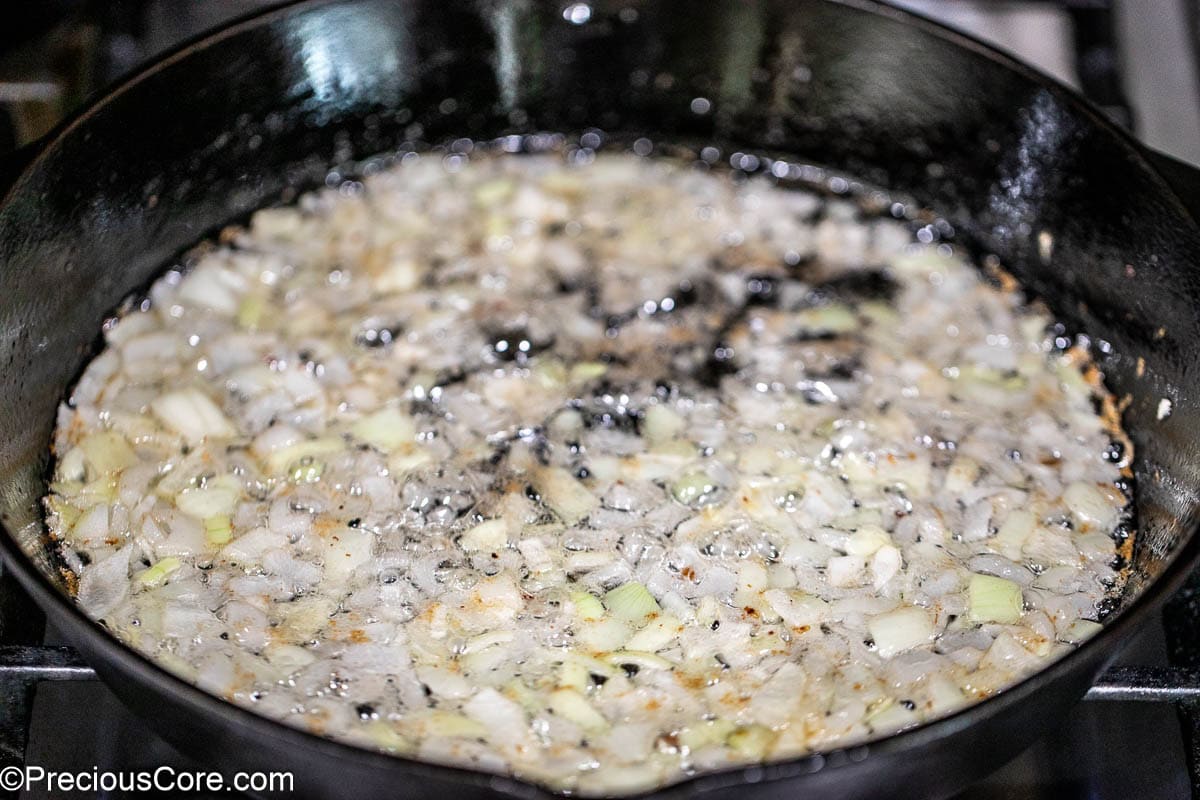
<point x="1018" y="165"/>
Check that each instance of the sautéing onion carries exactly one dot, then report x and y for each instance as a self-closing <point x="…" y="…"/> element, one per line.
<point x="602" y="475"/>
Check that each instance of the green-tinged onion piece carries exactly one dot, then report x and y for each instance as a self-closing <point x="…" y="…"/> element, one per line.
<point x="661" y="424"/>
<point x="386" y="738"/>
<point x="101" y="490"/>
<point x="992" y="599"/>
<point x="288" y="458"/>
<point x="67" y="513"/>
<point x="494" y="192"/>
<point x="450" y="724"/>
<point x="549" y="374"/>
<point x="631" y="601"/>
<point x="250" y="312"/>
<point x="990" y="376"/>
<point x="107" y="452"/>
<point x="218" y="531"/>
<point x="752" y="742"/>
<point x="828" y="319"/>
<point x="705" y="732"/>
<point x="157" y="574"/>
<point x="570" y="704"/>
<point x="693" y="489"/>
<point x="586" y="371"/>
<point x="573" y="675"/>
<point x="587" y="605"/>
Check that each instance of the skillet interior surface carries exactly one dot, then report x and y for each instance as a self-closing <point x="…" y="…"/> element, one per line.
<point x="1015" y="166"/>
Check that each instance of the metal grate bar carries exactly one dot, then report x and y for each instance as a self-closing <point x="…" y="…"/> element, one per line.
<point x="1147" y="684"/>
<point x="21" y="663"/>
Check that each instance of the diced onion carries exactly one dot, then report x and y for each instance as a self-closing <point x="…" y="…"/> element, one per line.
<point x="250" y="311"/>
<point x="827" y="319"/>
<point x="1090" y="505"/>
<point x="503" y="719"/>
<point x="944" y="694"/>
<point x="866" y="540"/>
<point x="286" y="460"/>
<point x="357" y="472"/>
<point x="570" y="704"/>
<point x="900" y="630"/>
<point x="884" y="565"/>
<point x="107" y="452"/>
<point x="752" y="577"/>
<point x="693" y="489"/>
<point x="564" y="495"/>
<point x="218" y="530"/>
<point x="218" y="497"/>
<point x="587" y="606"/>
<point x="657" y="634"/>
<point x="1014" y="532"/>
<point x="992" y="599"/>
<point x="631" y="601"/>
<point x="661" y="424"/>
<point x="488" y="535"/>
<point x="447" y="723"/>
<point x="1081" y="630"/>
<point x="961" y="475"/>
<point x="193" y="415"/>
<point x="381" y="734"/>
<point x="751" y="742"/>
<point x="845" y="571"/>
<point x="158" y="573"/>
<point x="796" y="608"/>
<point x="705" y="732"/>
<point x="587" y="371"/>
<point x="345" y="551"/>
<point x="386" y="429"/>
<point x="573" y="675"/>
<point x="483" y="641"/>
<point x="603" y="635"/>
<point x="494" y="192"/>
